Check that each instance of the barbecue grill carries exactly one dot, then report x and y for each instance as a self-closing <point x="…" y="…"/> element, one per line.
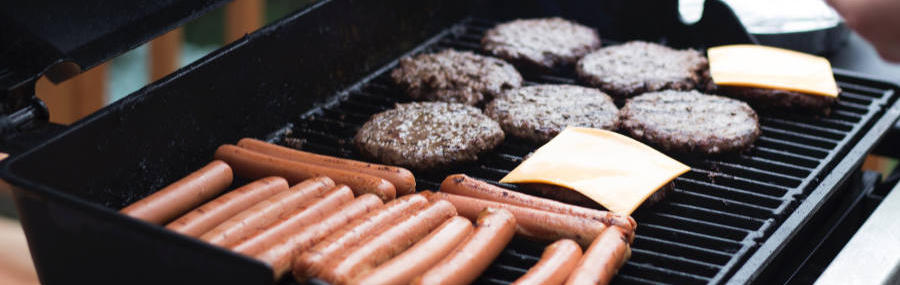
<point x="313" y="78"/>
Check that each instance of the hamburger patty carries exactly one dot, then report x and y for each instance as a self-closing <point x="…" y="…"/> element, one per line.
<point x="453" y="76"/>
<point x="637" y="67"/>
<point x="428" y="135"/>
<point x="538" y="113"/>
<point x="782" y="99"/>
<point x="542" y="43"/>
<point x="689" y="121"/>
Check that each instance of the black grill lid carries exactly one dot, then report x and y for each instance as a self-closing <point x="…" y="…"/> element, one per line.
<point x="37" y="35"/>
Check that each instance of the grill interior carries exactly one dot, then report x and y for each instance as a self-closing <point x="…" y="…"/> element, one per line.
<point x="718" y="214"/>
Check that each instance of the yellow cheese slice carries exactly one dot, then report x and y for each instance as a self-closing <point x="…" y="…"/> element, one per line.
<point x="769" y="67"/>
<point x="611" y="169"/>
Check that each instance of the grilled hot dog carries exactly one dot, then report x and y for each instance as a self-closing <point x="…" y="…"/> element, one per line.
<point x="403" y="179"/>
<point x="557" y="261"/>
<point x="461" y="184"/>
<point x="311" y="262"/>
<point x="266" y="212"/>
<point x="252" y="164"/>
<point x="183" y="195"/>
<point x="379" y="248"/>
<point x="420" y="257"/>
<point x="214" y="212"/>
<point x="280" y="255"/>
<point x="532" y="223"/>
<point x="310" y="213"/>
<point x="494" y="229"/>
<point x="602" y="259"/>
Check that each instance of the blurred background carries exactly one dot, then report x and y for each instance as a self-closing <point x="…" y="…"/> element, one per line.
<point x="75" y="98"/>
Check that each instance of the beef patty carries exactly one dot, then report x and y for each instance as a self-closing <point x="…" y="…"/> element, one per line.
<point x="780" y="99"/>
<point x="540" y="43"/>
<point x="538" y="113"/>
<point x="690" y="121"/>
<point x="453" y="76"/>
<point x="428" y="135"/>
<point x="637" y="67"/>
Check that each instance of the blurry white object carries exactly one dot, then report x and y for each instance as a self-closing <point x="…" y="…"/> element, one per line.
<point x="784" y="16"/>
<point x="809" y="26"/>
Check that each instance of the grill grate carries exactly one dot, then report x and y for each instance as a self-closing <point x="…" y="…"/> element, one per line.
<point x="719" y="212"/>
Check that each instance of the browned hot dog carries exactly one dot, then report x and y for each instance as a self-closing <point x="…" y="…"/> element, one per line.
<point x="213" y="213"/>
<point x="421" y="256"/>
<point x="532" y="223"/>
<point x="379" y="248"/>
<point x="557" y="261"/>
<point x="280" y="255"/>
<point x="183" y="195"/>
<point x="461" y="184"/>
<point x="313" y="211"/>
<point x="602" y="259"/>
<point x="493" y="230"/>
<point x="312" y="261"/>
<point x="266" y="212"/>
<point x="403" y="179"/>
<point x="251" y="164"/>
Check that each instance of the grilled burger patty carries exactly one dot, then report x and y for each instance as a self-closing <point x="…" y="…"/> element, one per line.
<point x="542" y="43"/>
<point x="538" y="113"/>
<point x="689" y="121"/>
<point x="428" y="135"/>
<point x="637" y="67"/>
<point x="453" y="76"/>
<point x="782" y="99"/>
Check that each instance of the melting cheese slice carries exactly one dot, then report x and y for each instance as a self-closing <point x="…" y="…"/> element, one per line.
<point x="611" y="169"/>
<point x="769" y="67"/>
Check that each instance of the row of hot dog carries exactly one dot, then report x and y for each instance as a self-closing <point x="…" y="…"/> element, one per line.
<point x="340" y="222"/>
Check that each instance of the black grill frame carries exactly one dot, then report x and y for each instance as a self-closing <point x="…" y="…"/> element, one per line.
<point x="763" y="186"/>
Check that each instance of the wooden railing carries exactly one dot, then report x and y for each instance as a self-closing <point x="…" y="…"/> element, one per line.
<point x="85" y="93"/>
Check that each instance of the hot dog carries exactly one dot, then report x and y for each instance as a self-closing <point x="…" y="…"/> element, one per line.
<point x="183" y="195"/>
<point x="310" y="263"/>
<point x="313" y="211"/>
<point x="602" y="259"/>
<point x="494" y="229"/>
<point x="532" y="223"/>
<point x="461" y="184"/>
<point x="252" y="165"/>
<point x="421" y="256"/>
<point x="266" y="212"/>
<point x="379" y="248"/>
<point x="280" y="255"/>
<point x="557" y="261"/>
<point x="213" y="213"/>
<point x="403" y="179"/>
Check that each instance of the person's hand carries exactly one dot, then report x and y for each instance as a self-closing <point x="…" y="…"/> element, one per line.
<point x="876" y="20"/>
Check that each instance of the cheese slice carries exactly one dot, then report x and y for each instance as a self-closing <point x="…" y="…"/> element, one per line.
<point x="769" y="67"/>
<point x="611" y="169"/>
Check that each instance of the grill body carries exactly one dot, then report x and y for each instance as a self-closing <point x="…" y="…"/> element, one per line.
<point x="319" y="73"/>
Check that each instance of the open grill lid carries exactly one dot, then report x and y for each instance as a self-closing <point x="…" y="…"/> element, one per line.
<point x="63" y="38"/>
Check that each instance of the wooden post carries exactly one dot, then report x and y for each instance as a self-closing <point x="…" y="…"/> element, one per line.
<point x="74" y="98"/>
<point x="242" y="17"/>
<point x="165" y="54"/>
